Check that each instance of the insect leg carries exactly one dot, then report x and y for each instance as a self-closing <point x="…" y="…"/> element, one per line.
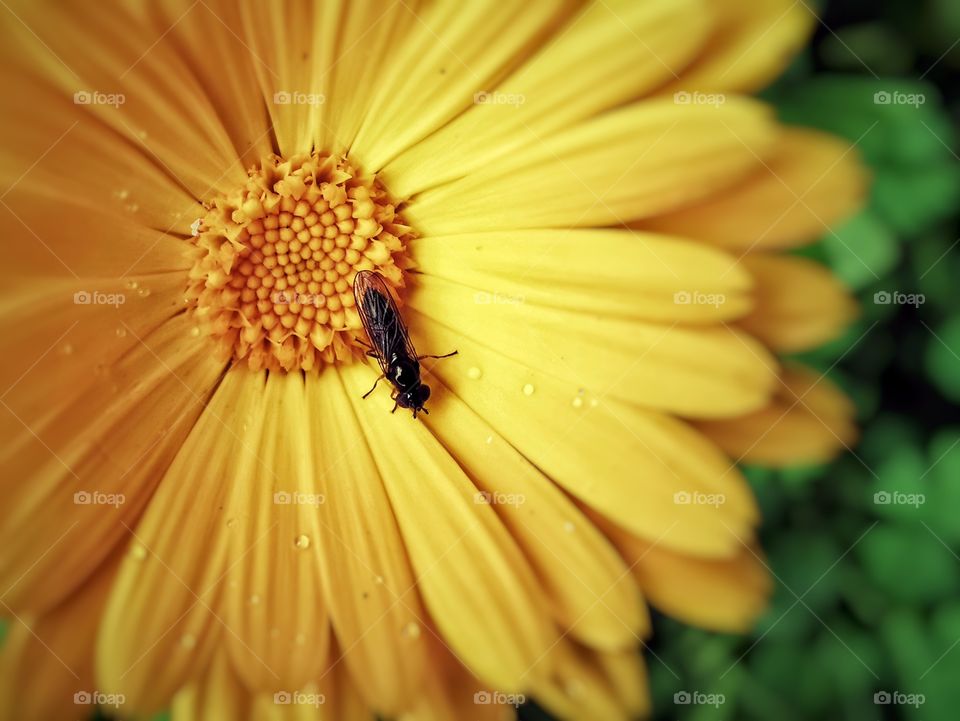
<point x="437" y="356"/>
<point x="374" y="386"/>
<point x="361" y="341"/>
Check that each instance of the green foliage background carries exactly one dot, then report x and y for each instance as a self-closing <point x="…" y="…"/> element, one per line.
<point x="867" y="594"/>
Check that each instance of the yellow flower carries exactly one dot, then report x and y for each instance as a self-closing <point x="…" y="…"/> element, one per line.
<point x="199" y="510"/>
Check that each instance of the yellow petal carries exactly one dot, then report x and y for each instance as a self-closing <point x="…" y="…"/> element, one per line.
<point x="162" y="620"/>
<point x="451" y="52"/>
<point x="586" y="581"/>
<point x="800" y="304"/>
<point x="750" y="44"/>
<point x="809" y="420"/>
<point x="609" y="272"/>
<point x="148" y="94"/>
<point x="46" y="663"/>
<point x="809" y="182"/>
<point x="604" y="56"/>
<point x="467" y="564"/>
<point x="644" y="159"/>
<point x="278" y="626"/>
<point x="624" y="462"/>
<point x="737" y="588"/>
<point x="370" y="588"/>
<point x="695" y="371"/>
<point x="58" y="528"/>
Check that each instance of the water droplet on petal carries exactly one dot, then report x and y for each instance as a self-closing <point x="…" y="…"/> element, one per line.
<point x="411" y="630"/>
<point x="121" y="332"/>
<point x="302" y="542"/>
<point x="66" y="349"/>
<point x="528" y="389"/>
<point x="577" y="402"/>
<point x="255" y="600"/>
<point x="489" y="440"/>
<point x="138" y="552"/>
<point x="143" y="292"/>
<point x="569" y="527"/>
<point x="474" y="373"/>
<point x="378" y="580"/>
<point x="594" y="402"/>
<point x="132" y="284"/>
<point x="188" y="640"/>
<point x="195" y="331"/>
<point x="123" y="194"/>
<point x="231" y="522"/>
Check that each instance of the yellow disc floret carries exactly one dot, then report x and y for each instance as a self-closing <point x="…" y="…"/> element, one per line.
<point x="274" y="262"/>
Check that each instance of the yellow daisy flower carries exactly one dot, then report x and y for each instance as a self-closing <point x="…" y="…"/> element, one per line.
<point x="201" y="512"/>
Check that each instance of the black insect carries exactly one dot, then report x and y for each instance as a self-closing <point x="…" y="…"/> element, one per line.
<point x="390" y="343"/>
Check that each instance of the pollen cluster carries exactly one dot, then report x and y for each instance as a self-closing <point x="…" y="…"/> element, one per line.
<point x="274" y="262"/>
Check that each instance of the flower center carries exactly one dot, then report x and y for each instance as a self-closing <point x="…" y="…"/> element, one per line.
<point x="274" y="261"/>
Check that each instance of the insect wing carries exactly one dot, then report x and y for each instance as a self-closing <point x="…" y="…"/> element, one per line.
<point x="381" y="319"/>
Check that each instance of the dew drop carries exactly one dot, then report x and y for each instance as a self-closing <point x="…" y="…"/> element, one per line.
<point x="489" y="440"/>
<point x="411" y="630"/>
<point x="528" y="389"/>
<point x="569" y="527"/>
<point x="66" y="349"/>
<point x="138" y="552"/>
<point x="132" y="208"/>
<point x="188" y="640"/>
<point x="132" y="284"/>
<point x="143" y="292"/>
<point x="231" y="522"/>
<point x="578" y="402"/>
<point x="378" y="580"/>
<point x="300" y="639"/>
<point x="594" y="402"/>
<point x="123" y="194"/>
<point x="474" y="373"/>
<point x="302" y="542"/>
<point x="195" y="331"/>
<point x="255" y="600"/>
<point x="121" y="332"/>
